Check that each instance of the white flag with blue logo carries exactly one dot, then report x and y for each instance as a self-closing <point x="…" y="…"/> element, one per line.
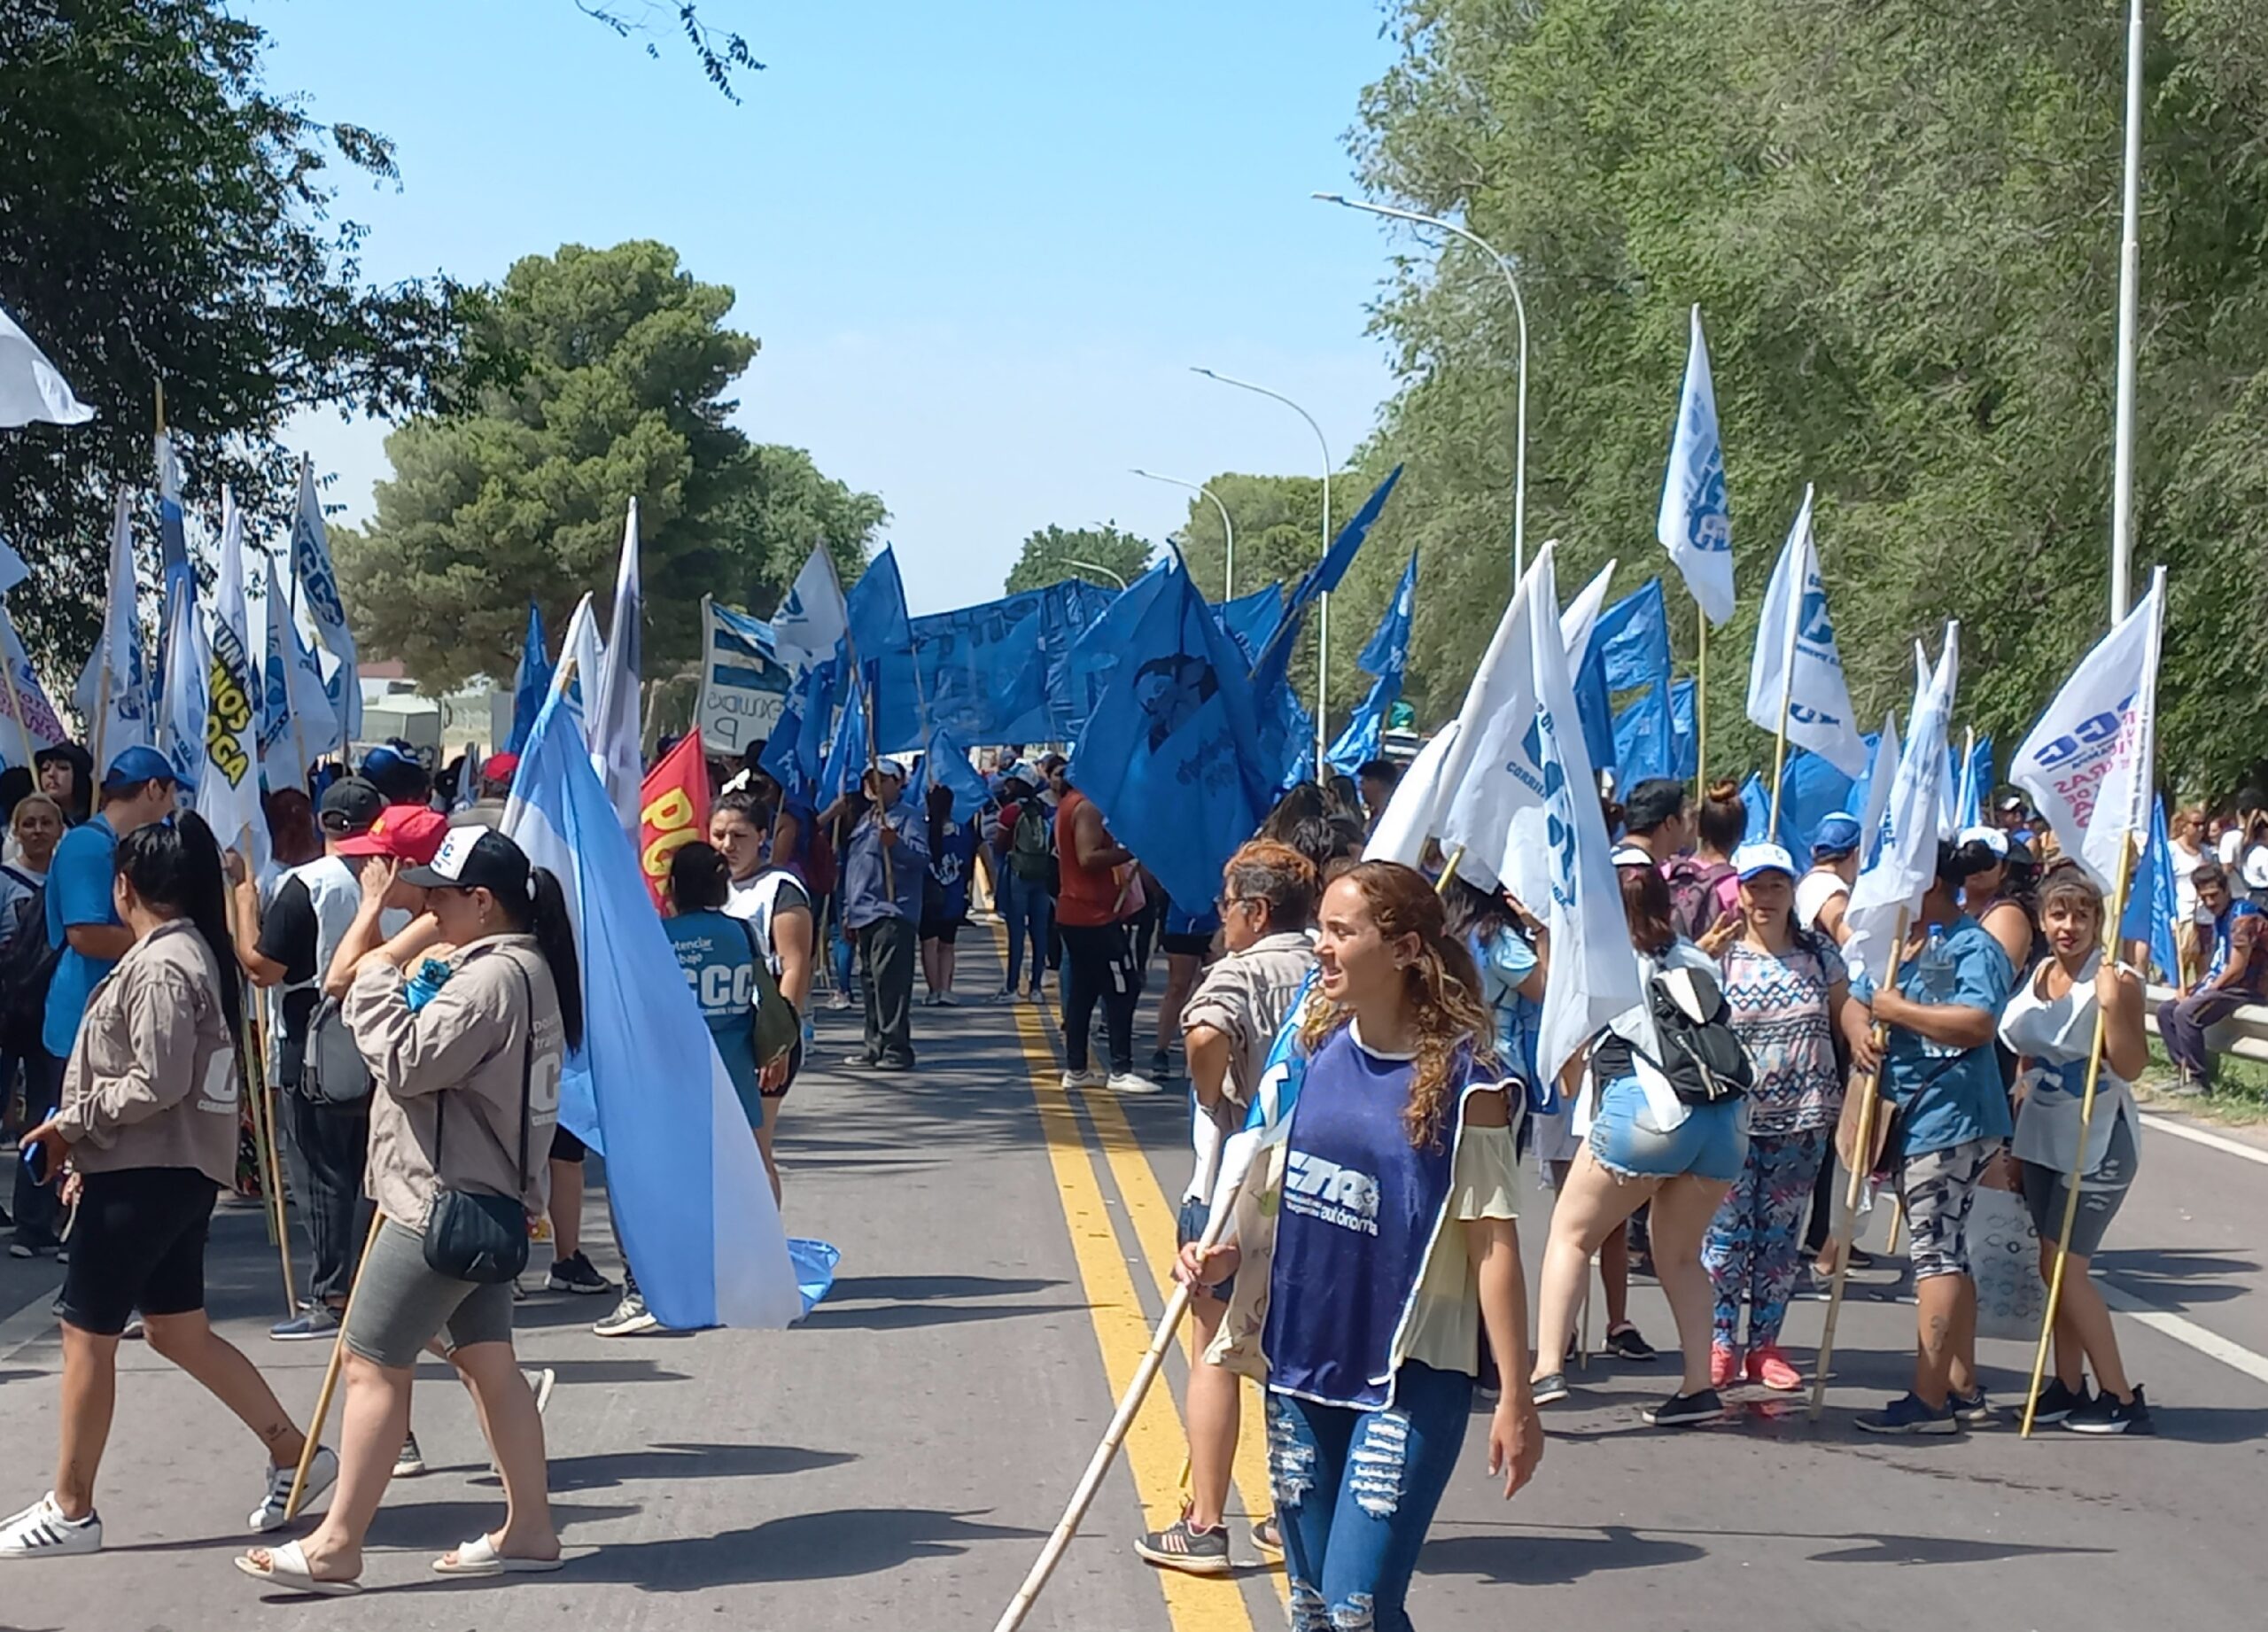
<point x="1525" y="812"/>
<point x="1796" y="666"/>
<point x="1695" y="524"/>
<point x="2087" y="763"/>
<point x="1907" y="862"/>
<point x="613" y="723"/>
<point x="691" y="1202"/>
<point x="113" y="695"/>
<point x="319" y="581"/>
<point x="807" y="624"/>
<point x="227" y="770"/>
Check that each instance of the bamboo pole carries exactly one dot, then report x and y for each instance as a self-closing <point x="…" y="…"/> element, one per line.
<point x="1787" y="701"/>
<point x="329" y="1378"/>
<point x="271" y="1161"/>
<point x="2087" y="1122"/>
<point x="1700" y="709"/>
<point x="1861" y="1151"/>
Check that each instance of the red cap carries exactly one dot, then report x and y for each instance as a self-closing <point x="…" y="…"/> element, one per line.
<point x="410" y="833"/>
<point x="500" y="768"/>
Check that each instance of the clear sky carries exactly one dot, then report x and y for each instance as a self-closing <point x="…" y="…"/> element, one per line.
<point x="981" y="243"/>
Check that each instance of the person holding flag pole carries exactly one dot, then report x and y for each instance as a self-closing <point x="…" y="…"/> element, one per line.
<point x="2087" y="766"/>
<point x="1695" y="524"/>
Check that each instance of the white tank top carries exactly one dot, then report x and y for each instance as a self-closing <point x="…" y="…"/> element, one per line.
<point x="1814" y="891"/>
<point x="2053" y="1037"/>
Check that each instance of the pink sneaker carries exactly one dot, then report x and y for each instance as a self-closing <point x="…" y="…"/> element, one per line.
<point x="1767" y="1365"/>
<point x="1722" y="1366"/>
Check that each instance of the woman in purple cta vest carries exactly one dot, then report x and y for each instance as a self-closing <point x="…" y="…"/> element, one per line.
<point x="1393" y="1248"/>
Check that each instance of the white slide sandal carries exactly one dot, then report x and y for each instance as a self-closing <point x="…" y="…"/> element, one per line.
<point x="287" y="1567"/>
<point x="479" y="1557"/>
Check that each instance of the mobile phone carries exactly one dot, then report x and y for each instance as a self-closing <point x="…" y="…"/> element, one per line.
<point x="35" y="1160"/>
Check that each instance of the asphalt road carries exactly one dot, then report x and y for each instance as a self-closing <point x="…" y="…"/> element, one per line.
<point x="897" y="1460"/>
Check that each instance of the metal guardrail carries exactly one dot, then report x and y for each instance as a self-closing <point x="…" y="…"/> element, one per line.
<point x="2244" y="1033"/>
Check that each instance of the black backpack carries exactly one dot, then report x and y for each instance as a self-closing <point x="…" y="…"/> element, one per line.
<point x="1703" y="1060"/>
<point x="26" y="967"/>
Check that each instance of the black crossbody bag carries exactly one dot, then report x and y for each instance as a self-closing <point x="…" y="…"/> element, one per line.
<point x="470" y="1234"/>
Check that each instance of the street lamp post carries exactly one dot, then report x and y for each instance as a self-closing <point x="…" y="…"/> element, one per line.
<point x="1096" y="566"/>
<point x="2130" y="278"/>
<point x="1322" y="605"/>
<point x="1520" y="311"/>
<point x="1228" y="527"/>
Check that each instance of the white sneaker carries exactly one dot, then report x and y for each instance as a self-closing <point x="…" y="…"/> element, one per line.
<point x="1089" y="1078"/>
<point x="323" y="1473"/>
<point x="541" y="1383"/>
<point x="410" y="1462"/>
<point x="1131" y="1082"/>
<point x="945" y="1000"/>
<point x="42" y="1531"/>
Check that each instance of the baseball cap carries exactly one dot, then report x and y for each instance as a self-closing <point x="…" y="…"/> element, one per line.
<point x="2013" y="804"/>
<point x="891" y="767"/>
<point x="474" y="857"/>
<point x="1630" y="856"/>
<point x="500" y="768"/>
<point x="406" y="832"/>
<point x="1838" y="835"/>
<point x="1751" y="860"/>
<point x="139" y="764"/>
<point x="1990" y="838"/>
<point x="1653" y="802"/>
<point x="349" y="806"/>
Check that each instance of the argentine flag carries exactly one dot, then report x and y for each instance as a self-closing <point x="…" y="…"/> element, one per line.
<point x="691" y="1202"/>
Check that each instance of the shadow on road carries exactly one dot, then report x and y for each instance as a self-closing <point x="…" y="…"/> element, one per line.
<point x="605" y="1470"/>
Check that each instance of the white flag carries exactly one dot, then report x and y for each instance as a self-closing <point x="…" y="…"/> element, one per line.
<point x="30" y="388"/>
<point x="1413" y="813"/>
<point x="2088" y="763"/>
<point x="1695" y="524"/>
<point x="812" y="620"/>
<point x="1581" y="616"/>
<point x="582" y="658"/>
<point x="612" y="725"/>
<point x="23" y="702"/>
<point x="311" y="566"/>
<point x="228" y="774"/>
<point x="113" y="695"/>
<point x="1907" y="863"/>
<point x="1797" y="667"/>
<point x="297" y="725"/>
<point x="180" y="724"/>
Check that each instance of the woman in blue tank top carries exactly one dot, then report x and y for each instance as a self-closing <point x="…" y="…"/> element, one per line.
<point x="1393" y="1251"/>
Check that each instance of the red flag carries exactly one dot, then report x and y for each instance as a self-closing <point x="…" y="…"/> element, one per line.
<point x="672" y="810"/>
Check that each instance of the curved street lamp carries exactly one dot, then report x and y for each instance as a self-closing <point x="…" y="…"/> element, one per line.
<point x="1520" y="310"/>
<point x="1228" y="527"/>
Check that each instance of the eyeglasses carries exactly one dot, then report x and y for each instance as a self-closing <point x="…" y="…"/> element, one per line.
<point x="1222" y="903"/>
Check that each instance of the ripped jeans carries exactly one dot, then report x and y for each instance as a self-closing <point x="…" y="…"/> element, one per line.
<point x="1355" y="1492"/>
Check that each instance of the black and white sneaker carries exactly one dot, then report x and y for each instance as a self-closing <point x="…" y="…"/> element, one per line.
<point x="2108" y="1414"/>
<point x="1624" y="1343"/>
<point x="1191" y="1551"/>
<point x="323" y="1473"/>
<point x="41" y="1531"/>
<point x="1971" y="1408"/>
<point x="630" y="1317"/>
<point x="1551" y="1388"/>
<point x="576" y="1273"/>
<point x="1685" y="1410"/>
<point x="1907" y="1414"/>
<point x="2054" y="1402"/>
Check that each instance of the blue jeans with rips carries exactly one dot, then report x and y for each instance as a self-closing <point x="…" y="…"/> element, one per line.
<point x="1355" y="1493"/>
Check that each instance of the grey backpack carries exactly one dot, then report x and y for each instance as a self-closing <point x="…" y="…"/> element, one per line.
<point x="333" y="1071"/>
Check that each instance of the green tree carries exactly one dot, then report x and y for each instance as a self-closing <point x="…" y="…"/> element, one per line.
<point x="621" y="362"/>
<point x="1901" y="221"/>
<point x="720" y="51"/>
<point x="170" y="221"/>
<point x="1049" y="555"/>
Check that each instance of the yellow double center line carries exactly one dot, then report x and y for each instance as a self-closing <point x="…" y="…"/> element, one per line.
<point x="1156" y="1444"/>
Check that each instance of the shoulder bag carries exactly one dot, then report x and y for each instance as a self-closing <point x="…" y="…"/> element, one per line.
<point x="470" y="1234"/>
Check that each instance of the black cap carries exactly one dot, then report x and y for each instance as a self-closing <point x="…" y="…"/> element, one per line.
<point x="349" y="806"/>
<point x="1651" y="802"/>
<point x="476" y="858"/>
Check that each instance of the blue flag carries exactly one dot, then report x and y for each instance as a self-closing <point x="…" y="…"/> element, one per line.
<point x="1094" y="657"/>
<point x="531" y="681"/>
<point x="947" y="761"/>
<point x="1628" y="651"/>
<point x="814" y="703"/>
<point x="691" y="1203"/>
<point x="1384" y="659"/>
<point x="2150" y="910"/>
<point x="852" y="750"/>
<point x="874" y="610"/>
<point x="1171" y="755"/>
<point x="1276" y="657"/>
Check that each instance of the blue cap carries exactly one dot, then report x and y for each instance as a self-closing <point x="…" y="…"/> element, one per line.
<point x="1838" y="835"/>
<point x="139" y="764"/>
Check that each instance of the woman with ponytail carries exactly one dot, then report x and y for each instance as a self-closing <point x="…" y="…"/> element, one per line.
<point x="148" y="1126"/>
<point x="464" y="1020"/>
<point x="1393" y="1250"/>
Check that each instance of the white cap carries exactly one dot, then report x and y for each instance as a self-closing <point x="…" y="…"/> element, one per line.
<point x="1990" y="838"/>
<point x="1750" y="859"/>
<point x="1631" y="856"/>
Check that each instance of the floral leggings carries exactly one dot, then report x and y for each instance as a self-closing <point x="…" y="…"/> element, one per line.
<point x="1755" y="1243"/>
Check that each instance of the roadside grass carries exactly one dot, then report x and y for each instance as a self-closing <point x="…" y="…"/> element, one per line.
<point x="2239" y="1094"/>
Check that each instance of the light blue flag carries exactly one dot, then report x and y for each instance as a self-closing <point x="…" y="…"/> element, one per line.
<point x="779" y="760"/>
<point x="875" y="612"/>
<point x="1094" y="657"/>
<point x="2150" y="909"/>
<point x="691" y="1203"/>
<point x="1318" y="581"/>
<point x="1171" y="755"/>
<point x="815" y="708"/>
<point x="1385" y="657"/>
<point x="947" y="761"/>
<point x="1758" y="800"/>
<point x="531" y="681"/>
<point x="1250" y="619"/>
<point x="851" y="751"/>
<point x="181" y="716"/>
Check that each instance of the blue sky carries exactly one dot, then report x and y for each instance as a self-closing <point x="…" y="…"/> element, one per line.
<point x="981" y="245"/>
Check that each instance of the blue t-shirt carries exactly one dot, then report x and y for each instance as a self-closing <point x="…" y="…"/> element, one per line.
<point x="718" y="956"/>
<point x="1180" y="921"/>
<point x="949" y="864"/>
<point x="78" y="893"/>
<point x="1949" y="1096"/>
<point x="2224" y="945"/>
<point x="1505" y="961"/>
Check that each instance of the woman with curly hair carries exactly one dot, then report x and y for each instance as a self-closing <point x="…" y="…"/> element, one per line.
<point x="1394" y="1247"/>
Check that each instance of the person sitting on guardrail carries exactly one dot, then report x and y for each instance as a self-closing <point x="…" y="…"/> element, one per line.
<point x="2231" y="979"/>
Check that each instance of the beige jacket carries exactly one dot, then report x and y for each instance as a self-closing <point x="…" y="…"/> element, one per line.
<point x="463" y="1055"/>
<point x="152" y="1081"/>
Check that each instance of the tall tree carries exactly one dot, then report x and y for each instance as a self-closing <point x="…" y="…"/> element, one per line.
<point x="623" y="360"/>
<point x="1900" y="220"/>
<point x="1052" y="553"/>
<point x="169" y="220"/>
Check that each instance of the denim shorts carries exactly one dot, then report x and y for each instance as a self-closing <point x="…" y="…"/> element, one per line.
<point x="1196" y="1213"/>
<point x="1711" y="1143"/>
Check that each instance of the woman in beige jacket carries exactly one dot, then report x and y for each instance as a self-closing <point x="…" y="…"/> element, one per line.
<point x="148" y="1125"/>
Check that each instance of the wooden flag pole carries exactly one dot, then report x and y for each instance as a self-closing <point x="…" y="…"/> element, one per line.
<point x="271" y="1163"/>
<point x="329" y="1378"/>
<point x="1780" y="741"/>
<point x="1700" y="709"/>
<point x="1861" y="1160"/>
<point x="2086" y="1122"/>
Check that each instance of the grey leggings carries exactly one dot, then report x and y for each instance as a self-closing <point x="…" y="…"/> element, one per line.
<point x="400" y="1303"/>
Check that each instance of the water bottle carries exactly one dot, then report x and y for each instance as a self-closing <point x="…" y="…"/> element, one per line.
<point x="1937" y="982"/>
<point x="425" y="983"/>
